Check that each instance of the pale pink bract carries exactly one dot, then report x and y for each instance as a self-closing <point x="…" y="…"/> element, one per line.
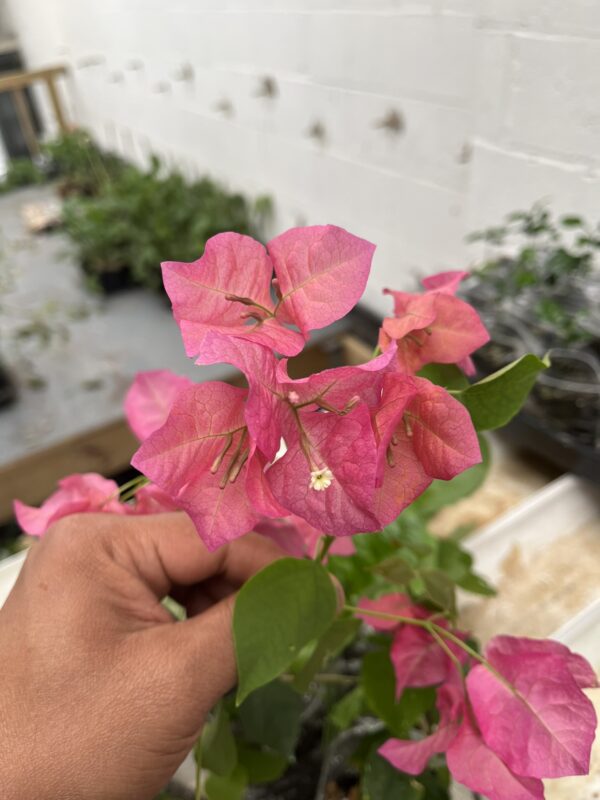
<point x="149" y="400"/>
<point x="412" y="756"/>
<point x="321" y="272"/>
<point x="433" y="327"/>
<point x="76" y="494"/>
<point x="479" y="768"/>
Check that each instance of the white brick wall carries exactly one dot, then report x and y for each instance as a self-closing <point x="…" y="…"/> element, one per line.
<point x="500" y="101"/>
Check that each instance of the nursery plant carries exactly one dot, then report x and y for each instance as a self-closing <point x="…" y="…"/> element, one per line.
<point x="21" y="172"/>
<point x="79" y="165"/>
<point x="139" y="216"/>
<point x="538" y="290"/>
<point x="381" y="694"/>
<point x="546" y="269"/>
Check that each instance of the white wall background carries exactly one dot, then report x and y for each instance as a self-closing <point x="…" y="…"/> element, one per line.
<point x="500" y="101"/>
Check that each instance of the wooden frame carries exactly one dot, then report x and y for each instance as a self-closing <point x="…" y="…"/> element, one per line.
<point x="17" y="82"/>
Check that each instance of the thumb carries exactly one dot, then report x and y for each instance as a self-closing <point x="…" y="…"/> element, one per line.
<point x="204" y="644"/>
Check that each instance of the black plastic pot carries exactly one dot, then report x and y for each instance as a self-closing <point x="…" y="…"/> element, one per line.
<point x="110" y="281"/>
<point x="567" y="395"/>
<point x="8" y="391"/>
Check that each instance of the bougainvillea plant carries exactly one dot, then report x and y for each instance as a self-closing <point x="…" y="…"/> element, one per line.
<point x="343" y="468"/>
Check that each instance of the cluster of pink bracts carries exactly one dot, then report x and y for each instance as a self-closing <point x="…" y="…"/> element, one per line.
<point x="508" y="724"/>
<point x="360" y="444"/>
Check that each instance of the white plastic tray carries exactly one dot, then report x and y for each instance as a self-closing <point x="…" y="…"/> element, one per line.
<point x="557" y="510"/>
<point x="9" y="571"/>
<point x="560" y="508"/>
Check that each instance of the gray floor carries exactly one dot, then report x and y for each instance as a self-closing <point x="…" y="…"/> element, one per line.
<point x="83" y="371"/>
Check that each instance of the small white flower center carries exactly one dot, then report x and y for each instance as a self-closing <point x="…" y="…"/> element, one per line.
<point x="321" y="479"/>
<point x="293" y="397"/>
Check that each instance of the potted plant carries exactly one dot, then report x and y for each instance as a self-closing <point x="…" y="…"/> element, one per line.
<point x="538" y="289"/>
<point x="79" y="165"/>
<point x="7" y="388"/>
<point x="384" y="694"/>
<point x="139" y="218"/>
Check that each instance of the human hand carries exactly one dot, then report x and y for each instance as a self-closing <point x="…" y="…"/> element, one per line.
<point x="103" y="694"/>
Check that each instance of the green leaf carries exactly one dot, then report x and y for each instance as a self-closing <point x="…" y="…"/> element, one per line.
<point x="277" y="612"/>
<point x="231" y="788"/>
<point x="346" y="710"/>
<point x="216" y="749"/>
<point x="477" y="585"/>
<point x="571" y="222"/>
<point x="452" y="560"/>
<point x="445" y="493"/>
<point x="338" y="636"/>
<point x="382" y="781"/>
<point x="495" y="400"/>
<point x="379" y="686"/>
<point x="440" y="589"/>
<point x="436" y="783"/>
<point x="262" y="766"/>
<point x="447" y="375"/>
<point x="270" y="716"/>
<point x="395" y="570"/>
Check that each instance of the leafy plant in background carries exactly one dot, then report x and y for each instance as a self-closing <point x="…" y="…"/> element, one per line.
<point x="540" y="265"/>
<point x="124" y="220"/>
<point x="137" y="218"/>
<point x="539" y="291"/>
<point x="387" y="694"/>
<point x="80" y="166"/>
<point x="21" y="172"/>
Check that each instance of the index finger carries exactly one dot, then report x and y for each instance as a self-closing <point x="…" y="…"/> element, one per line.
<point x="166" y="550"/>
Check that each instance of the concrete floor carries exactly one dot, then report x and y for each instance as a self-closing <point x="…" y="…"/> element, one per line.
<point x="88" y="363"/>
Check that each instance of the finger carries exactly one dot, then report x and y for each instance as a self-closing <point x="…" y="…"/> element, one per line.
<point x="204" y="645"/>
<point x="166" y="551"/>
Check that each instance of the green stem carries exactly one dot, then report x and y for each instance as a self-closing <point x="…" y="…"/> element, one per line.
<point x="432" y="628"/>
<point x="419" y="623"/>
<point x="133" y="482"/>
<point x="198" y="774"/>
<point x="324" y="545"/>
<point x="477" y="656"/>
<point x="133" y="491"/>
<point x="446" y="649"/>
<point x="330" y="678"/>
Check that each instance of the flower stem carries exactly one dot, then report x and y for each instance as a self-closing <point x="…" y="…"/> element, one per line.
<point x="419" y="623"/>
<point x="331" y="678"/>
<point x="133" y="482"/>
<point x="129" y="493"/>
<point x="437" y="631"/>
<point x="324" y="545"/>
<point x="198" y="773"/>
<point x="446" y="649"/>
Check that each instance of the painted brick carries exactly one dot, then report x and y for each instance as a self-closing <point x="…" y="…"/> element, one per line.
<point x="554" y="95"/>
<point x="504" y="180"/>
<point x="419" y="56"/>
<point x="553" y="16"/>
<point x="499" y="100"/>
